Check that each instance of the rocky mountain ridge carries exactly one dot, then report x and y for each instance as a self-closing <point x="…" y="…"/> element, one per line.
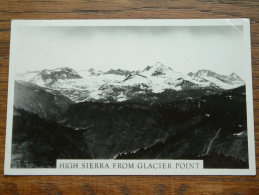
<point x="121" y="85"/>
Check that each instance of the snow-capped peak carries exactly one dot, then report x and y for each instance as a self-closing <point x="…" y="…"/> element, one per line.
<point x="158" y="69"/>
<point x="204" y="73"/>
<point x="223" y="81"/>
<point x="59" y="73"/>
<point x="46" y="77"/>
<point x="161" y="66"/>
<point x="235" y="77"/>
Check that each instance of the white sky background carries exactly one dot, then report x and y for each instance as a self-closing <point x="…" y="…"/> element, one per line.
<point x="184" y="49"/>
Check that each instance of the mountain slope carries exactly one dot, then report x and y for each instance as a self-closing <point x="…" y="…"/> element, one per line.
<point x="39" y="143"/>
<point x="184" y="129"/>
<point x="215" y="133"/>
<point x="41" y="101"/>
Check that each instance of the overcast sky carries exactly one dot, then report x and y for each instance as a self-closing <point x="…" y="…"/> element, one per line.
<point x="184" y="49"/>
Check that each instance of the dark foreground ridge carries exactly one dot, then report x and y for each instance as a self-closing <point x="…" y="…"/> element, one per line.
<point x="38" y="142"/>
<point x="211" y="127"/>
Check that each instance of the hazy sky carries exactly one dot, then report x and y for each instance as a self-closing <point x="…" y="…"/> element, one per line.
<point x="184" y="49"/>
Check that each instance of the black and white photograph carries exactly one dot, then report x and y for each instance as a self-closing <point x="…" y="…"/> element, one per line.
<point x="140" y="91"/>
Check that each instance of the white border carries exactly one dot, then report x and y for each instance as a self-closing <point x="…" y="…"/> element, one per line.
<point x="132" y="22"/>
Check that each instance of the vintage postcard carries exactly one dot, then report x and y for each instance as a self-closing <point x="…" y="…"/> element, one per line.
<point x="130" y="97"/>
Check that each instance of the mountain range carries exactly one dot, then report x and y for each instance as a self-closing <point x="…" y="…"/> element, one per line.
<point x="154" y="113"/>
<point x="121" y="85"/>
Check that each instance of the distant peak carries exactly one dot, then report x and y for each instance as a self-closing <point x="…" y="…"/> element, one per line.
<point x="118" y="72"/>
<point x="157" y="66"/>
<point x="95" y="72"/>
<point x="235" y="77"/>
<point x="232" y="79"/>
<point x="91" y="70"/>
<point x="203" y="72"/>
<point x="59" y="73"/>
<point x="160" y="65"/>
<point x="67" y="69"/>
<point x="147" y="68"/>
